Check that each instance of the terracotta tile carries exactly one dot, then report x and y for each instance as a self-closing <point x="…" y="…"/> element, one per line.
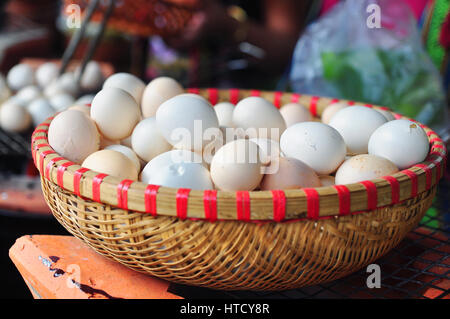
<point x="63" y="267"/>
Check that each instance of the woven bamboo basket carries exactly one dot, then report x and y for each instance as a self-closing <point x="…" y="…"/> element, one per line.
<point x="260" y="240"/>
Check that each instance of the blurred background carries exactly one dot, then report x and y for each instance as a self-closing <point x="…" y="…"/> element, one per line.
<point x="393" y="54"/>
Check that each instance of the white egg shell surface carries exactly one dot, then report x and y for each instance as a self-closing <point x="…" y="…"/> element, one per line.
<point x="291" y="174"/>
<point x="40" y="110"/>
<point x="364" y="167"/>
<point x="167" y="158"/>
<point x="115" y="112"/>
<point x="295" y="113"/>
<point x="62" y="101"/>
<point x="316" y="144"/>
<point x="332" y="109"/>
<point x="82" y="108"/>
<point x="183" y="120"/>
<point x="46" y="73"/>
<point x="388" y="115"/>
<point x="356" y="124"/>
<point x="128" y="152"/>
<point x="28" y="94"/>
<point x="403" y="142"/>
<point x="20" y="76"/>
<point x="259" y="115"/>
<point x="236" y="166"/>
<point x="68" y="83"/>
<point x="157" y="92"/>
<point x="126" y="141"/>
<point x="85" y="99"/>
<point x="224" y="112"/>
<point x="127" y="82"/>
<point x="14" y="117"/>
<point x="113" y="163"/>
<point x="182" y="175"/>
<point x="92" y="78"/>
<point x="268" y="149"/>
<point x="147" y="141"/>
<point x="73" y="135"/>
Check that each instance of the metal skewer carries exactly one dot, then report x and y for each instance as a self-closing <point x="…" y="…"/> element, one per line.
<point x="79" y="34"/>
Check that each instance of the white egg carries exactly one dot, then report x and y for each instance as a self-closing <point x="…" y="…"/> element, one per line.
<point x="14" y="117"/>
<point x="356" y="124"/>
<point x="364" y="167"/>
<point x="157" y="92"/>
<point x="112" y="163"/>
<point x="388" y="115"/>
<point x="62" y="101"/>
<point x="127" y="82"/>
<point x="147" y="141"/>
<point x="82" y="108"/>
<point x="403" y="142"/>
<point x="316" y="144"/>
<point x="291" y="174"/>
<point x="65" y="84"/>
<point x="236" y="166"/>
<point x="185" y="120"/>
<point x="224" y="112"/>
<point x="128" y="152"/>
<point x="167" y="158"/>
<point x="54" y="88"/>
<point x="20" y="76"/>
<point x="85" y="99"/>
<point x="126" y="141"/>
<point x="92" y="78"/>
<point x="68" y="83"/>
<point x="116" y="113"/>
<point x="332" y="109"/>
<point x="46" y="73"/>
<point x="268" y="148"/>
<point x="73" y="135"/>
<point x="259" y="118"/>
<point x="295" y="113"/>
<point x="182" y="175"/>
<point x="40" y="110"/>
<point x="28" y="94"/>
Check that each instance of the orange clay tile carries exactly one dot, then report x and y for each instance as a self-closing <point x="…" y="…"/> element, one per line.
<point x="63" y="267"/>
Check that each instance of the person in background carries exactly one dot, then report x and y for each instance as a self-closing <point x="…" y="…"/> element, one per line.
<point x="246" y="44"/>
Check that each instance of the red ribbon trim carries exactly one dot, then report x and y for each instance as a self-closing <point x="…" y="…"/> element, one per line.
<point x="395" y="188"/>
<point x="243" y="205"/>
<point x="213" y="95"/>
<point x="279" y="205"/>
<point x="413" y="177"/>
<point x="97" y="180"/>
<point x="312" y="203"/>
<point x="182" y="200"/>
<point x="372" y="196"/>
<point x="60" y="173"/>
<point x="344" y="199"/>
<point x="150" y="199"/>
<point x="234" y="96"/>
<point x="277" y="99"/>
<point x="313" y="105"/>
<point x="122" y="193"/>
<point x="210" y="204"/>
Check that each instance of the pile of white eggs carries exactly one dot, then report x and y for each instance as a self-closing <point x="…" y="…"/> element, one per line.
<point x="29" y="96"/>
<point x="160" y="135"/>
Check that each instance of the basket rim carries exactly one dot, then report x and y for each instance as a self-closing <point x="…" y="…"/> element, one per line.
<point x="273" y="205"/>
